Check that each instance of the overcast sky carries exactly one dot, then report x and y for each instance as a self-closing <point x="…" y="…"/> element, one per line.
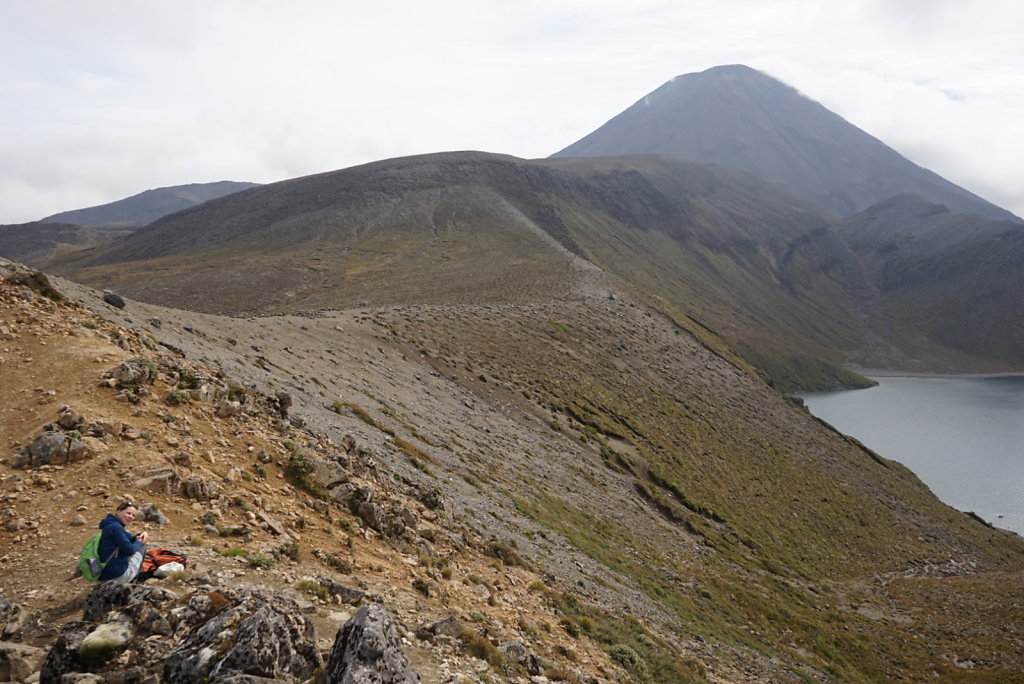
<point x="103" y="99"/>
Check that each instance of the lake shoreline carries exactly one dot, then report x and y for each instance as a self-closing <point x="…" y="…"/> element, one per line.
<point x="888" y="373"/>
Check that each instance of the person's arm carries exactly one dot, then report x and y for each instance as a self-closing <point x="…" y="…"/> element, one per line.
<point x="126" y="544"/>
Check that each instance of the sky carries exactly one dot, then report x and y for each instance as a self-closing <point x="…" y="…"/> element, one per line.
<point x="103" y="99"/>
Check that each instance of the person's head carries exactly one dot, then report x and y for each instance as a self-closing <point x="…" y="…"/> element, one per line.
<point x="126" y="512"/>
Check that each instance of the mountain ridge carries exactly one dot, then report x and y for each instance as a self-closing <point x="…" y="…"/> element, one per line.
<point x="147" y="206"/>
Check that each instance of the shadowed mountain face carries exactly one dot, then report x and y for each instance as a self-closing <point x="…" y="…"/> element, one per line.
<point x="148" y="206"/>
<point x="37" y="244"/>
<point x="742" y="118"/>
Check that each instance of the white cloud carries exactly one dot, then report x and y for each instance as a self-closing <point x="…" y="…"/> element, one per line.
<point x="105" y="98"/>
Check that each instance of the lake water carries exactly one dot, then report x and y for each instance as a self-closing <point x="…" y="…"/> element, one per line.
<point x="964" y="437"/>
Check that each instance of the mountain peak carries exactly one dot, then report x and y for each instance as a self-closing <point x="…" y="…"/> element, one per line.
<point x="734" y="115"/>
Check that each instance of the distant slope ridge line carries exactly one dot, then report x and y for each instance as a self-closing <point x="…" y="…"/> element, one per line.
<point x="148" y="206"/>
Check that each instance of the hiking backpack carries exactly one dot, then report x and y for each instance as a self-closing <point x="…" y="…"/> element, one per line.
<point x="89" y="563"/>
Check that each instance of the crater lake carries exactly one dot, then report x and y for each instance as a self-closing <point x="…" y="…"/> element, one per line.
<point x="963" y="436"/>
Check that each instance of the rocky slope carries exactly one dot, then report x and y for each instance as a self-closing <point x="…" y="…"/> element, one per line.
<point x="584" y="478"/>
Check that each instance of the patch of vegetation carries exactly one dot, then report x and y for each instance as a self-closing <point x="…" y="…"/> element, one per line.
<point x="176" y="397"/>
<point x="479" y="646"/>
<point x="646" y="657"/>
<point x="362" y="414"/>
<point x="313" y="588"/>
<point x="301" y="472"/>
<point x="505" y="553"/>
<point x="338" y="562"/>
<point x="189" y="379"/>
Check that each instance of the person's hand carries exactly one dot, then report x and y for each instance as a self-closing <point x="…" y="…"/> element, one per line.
<point x="143" y="537"/>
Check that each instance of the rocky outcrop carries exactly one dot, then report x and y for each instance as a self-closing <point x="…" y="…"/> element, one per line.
<point x="208" y="635"/>
<point x="261" y="634"/>
<point x="367" y="651"/>
<point x="51" y="448"/>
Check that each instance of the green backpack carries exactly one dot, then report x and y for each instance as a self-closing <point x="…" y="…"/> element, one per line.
<point x="89" y="563"/>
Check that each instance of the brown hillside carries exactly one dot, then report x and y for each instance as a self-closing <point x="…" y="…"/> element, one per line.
<point x="749" y="537"/>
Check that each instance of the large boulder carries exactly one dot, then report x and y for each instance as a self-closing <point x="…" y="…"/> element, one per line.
<point x="367" y="651"/>
<point x="262" y="634"/>
<point x="51" y="448"/>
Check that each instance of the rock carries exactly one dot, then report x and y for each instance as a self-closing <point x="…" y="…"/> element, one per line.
<point x="63" y="658"/>
<point x="114" y="300"/>
<point x="107" y="597"/>
<point x="517" y="652"/>
<point x="134" y="372"/>
<point x="181" y="458"/>
<point x="340" y="592"/>
<point x="261" y="635"/>
<point x="272" y="524"/>
<point x="228" y="409"/>
<point x="12" y="620"/>
<point x="50" y="448"/>
<point x="150" y="513"/>
<point x="160" y="480"/>
<point x="102" y="644"/>
<point x="373" y="515"/>
<point x="69" y="420"/>
<point x="367" y="650"/>
<point x="200" y="490"/>
<point x="18" y="661"/>
<point x="450" y="626"/>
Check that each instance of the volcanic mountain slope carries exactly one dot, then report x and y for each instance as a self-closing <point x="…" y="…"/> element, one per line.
<point x="37" y="244"/>
<point x="739" y="117"/>
<point x="592" y="440"/>
<point x="940" y="291"/>
<point x="148" y="206"/>
<point x="702" y="241"/>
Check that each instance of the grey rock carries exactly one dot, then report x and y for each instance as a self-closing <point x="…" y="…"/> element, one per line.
<point x="51" y="448"/>
<point x="63" y="658"/>
<point x="69" y="419"/>
<point x="102" y="644"/>
<point x="150" y="513"/>
<point x="110" y="596"/>
<point x="261" y="635"/>
<point x="341" y="592"/>
<point x="367" y="650"/>
<point x="517" y="652"/>
<point x="228" y="409"/>
<point x="114" y="300"/>
<point x="160" y="480"/>
<point x="200" y="490"/>
<point x="373" y="515"/>
<point x="181" y="458"/>
<point x="133" y="372"/>
<point x="450" y="626"/>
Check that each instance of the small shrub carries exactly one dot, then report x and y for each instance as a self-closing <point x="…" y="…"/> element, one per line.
<point x="338" y="562"/>
<point x="302" y="473"/>
<point x="176" y="397"/>
<point x="505" y="553"/>
<point x="481" y="647"/>
<point x="314" y="588"/>
<point x="628" y="658"/>
<point x="233" y="552"/>
<point x="259" y="560"/>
